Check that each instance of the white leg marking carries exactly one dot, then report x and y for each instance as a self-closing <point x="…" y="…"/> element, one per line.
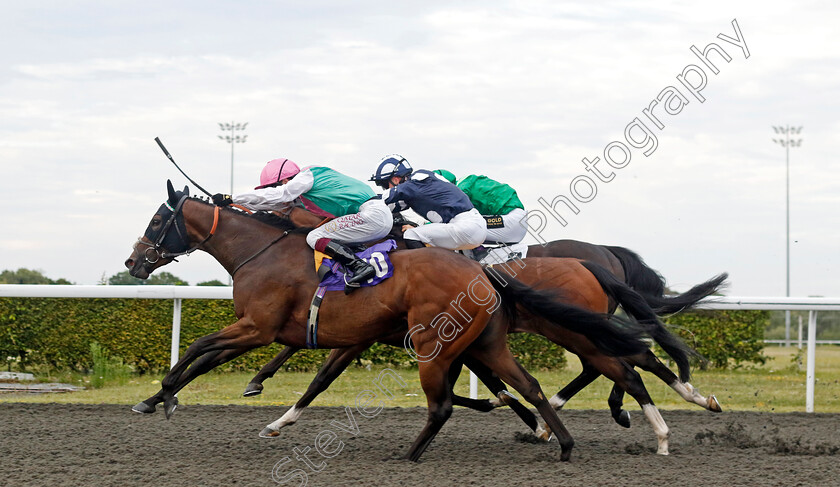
<point x="690" y="394"/>
<point x="542" y="432"/>
<point x="557" y="402"/>
<point x="290" y="417"/>
<point x="659" y="427"/>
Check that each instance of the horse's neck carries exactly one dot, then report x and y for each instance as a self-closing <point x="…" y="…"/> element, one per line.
<point x="304" y="218"/>
<point x="237" y="238"/>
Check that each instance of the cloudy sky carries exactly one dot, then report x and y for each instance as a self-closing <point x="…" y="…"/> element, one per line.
<point x="521" y="91"/>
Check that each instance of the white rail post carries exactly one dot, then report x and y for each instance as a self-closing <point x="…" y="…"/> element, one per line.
<point x="799" y="339"/>
<point x="812" y="359"/>
<point x="176" y="332"/>
<point x="473" y="386"/>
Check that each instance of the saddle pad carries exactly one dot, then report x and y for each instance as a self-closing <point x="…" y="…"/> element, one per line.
<point x="500" y="255"/>
<point x="376" y="255"/>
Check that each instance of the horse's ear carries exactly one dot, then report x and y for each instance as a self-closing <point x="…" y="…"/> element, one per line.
<point x="171" y="191"/>
<point x="186" y="190"/>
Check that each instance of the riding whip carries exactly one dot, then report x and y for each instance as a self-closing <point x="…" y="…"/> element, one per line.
<point x="157" y="139"/>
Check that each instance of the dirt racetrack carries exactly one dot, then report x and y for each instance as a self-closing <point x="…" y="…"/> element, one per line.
<point x="51" y="444"/>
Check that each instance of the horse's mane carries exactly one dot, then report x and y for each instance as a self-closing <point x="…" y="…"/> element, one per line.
<point x="275" y="220"/>
<point x="267" y="217"/>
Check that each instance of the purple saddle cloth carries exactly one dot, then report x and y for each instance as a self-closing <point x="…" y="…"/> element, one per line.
<point x="376" y="255"/>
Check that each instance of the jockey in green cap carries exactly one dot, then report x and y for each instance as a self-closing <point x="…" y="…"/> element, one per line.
<point x="498" y="203"/>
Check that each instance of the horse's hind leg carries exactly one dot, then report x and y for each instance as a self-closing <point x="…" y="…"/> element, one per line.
<point x="649" y="362"/>
<point x="336" y="362"/>
<point x="498" y="358"/>
<point x="628" y="379"/>
<point x="255" y="386"/>
<point x="434" y="379"/>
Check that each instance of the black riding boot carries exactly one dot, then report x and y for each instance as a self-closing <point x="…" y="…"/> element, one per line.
<point x="362" y="271"/>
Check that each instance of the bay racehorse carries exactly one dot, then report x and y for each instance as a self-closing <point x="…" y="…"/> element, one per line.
<point x="274" y="283"/>
<point x="625" y="265"/>
<point x="552" y="275"/>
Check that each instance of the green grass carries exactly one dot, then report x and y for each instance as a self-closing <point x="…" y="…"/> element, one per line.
<point x="778" y="386"/>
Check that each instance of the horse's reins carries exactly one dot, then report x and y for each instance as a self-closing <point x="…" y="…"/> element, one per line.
<point x="249" y="259"/>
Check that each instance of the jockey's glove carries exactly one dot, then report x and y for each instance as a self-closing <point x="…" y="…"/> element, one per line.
<point x="220" y="199"/>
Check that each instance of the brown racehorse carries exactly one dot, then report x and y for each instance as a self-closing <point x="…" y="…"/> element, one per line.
<point x="624" y="265"/>
<point x="591" y="282"/>
<point x="274" y="284"/>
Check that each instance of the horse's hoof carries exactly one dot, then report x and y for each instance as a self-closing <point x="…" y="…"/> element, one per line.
<point x="714" y="405"/>
<point x="506" y="398"/>
<point x="543" y="432"/>
<point x="623" y="419"/>
<point x="269" y="433"/>
<point x="169" y="406"/>
<point x="143" y="408"/>
<point x="566" y="455"/>
<point x="484" y="405"/>
<point x="253" y="389"/>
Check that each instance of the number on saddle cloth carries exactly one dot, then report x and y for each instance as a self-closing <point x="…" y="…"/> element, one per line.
<point x="332" y="279"/>
<point x="375" y="255"/>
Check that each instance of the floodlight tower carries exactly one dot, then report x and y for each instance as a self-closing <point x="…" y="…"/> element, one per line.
<point x="787" y="142"/>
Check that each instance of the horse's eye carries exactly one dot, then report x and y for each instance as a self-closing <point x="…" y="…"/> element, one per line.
<point x="156" y="221"/>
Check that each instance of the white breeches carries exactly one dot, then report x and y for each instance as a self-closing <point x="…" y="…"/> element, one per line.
<point x="373" y="222"/>
<point x="513" y="231"/>
<point x="466" y="231"/>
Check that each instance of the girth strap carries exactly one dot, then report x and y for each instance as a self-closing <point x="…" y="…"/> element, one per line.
<point x="312" y="319"/>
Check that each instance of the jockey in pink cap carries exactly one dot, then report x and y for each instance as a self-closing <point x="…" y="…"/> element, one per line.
<point x="360" y="216"/>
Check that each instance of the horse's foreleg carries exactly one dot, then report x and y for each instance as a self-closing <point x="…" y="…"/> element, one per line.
<point x="649" y="362"/>
<point x="241" y="336"/>
<point x="336" y="363"/>
<point x="587" y="375"/>
<point x="503" y="397"/>
<point x="483" y="405"/>
<point x="255" y="387"/>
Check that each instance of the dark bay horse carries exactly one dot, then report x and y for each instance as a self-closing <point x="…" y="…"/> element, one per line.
<point x="626" y="266"/>
<point x="274" y="284"/>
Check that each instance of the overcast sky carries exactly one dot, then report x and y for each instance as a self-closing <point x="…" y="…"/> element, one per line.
<point x="520" y="91"/>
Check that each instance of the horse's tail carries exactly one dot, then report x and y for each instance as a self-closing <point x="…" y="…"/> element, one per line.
<point x="665" y="305"/>
<point x="637" y="274"/>
<point x="603" y="330"/>
<point x="637" y="306"/>
<point x="651" y="284"/>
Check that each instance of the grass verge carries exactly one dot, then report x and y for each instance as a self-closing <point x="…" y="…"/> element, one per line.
<point x="777" y="386"/>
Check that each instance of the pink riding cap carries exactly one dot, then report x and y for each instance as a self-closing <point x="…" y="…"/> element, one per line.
<point x="276" y="171"/>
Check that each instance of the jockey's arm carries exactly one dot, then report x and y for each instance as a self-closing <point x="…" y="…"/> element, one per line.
<point x="270" y="198"/>
<point x="393" y="199"/>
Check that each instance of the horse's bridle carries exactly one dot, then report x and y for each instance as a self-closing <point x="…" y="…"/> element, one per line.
<point x="155" y="251"/>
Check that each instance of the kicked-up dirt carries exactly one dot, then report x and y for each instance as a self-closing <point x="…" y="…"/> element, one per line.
<point x="85" y="445"/>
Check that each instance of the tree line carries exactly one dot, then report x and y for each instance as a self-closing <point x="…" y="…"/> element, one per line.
<point x="32" y="276"/>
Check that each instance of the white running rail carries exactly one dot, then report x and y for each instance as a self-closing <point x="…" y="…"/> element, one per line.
<point x="177" y="293"/>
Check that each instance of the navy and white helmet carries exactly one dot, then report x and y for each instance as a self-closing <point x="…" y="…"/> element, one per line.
<point x="390" y="166"/>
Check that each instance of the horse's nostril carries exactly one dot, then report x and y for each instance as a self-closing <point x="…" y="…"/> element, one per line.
<point x="129" y="263"/>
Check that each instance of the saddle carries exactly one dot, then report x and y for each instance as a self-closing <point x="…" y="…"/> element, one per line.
<point x="331" y="278"/>
<point x="500" y="253"/>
